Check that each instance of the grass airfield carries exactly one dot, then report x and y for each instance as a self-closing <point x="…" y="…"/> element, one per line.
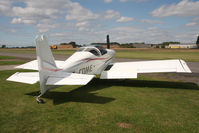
<point x="149" y="104"/>
<point x="9" y="60"/>
<point x="136" y="53"/>
<point x="135" y="106"/>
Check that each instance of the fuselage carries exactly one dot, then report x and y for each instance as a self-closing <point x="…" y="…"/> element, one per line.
<point x="89" y="60"/>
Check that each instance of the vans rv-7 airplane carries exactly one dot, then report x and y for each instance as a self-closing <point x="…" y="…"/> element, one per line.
<point x="83" y="65"/>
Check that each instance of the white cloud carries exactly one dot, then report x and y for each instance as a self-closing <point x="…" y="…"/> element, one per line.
<point x="76" y="12"/>
<point x="126" y="34"/>
<point x="123" y="0"/>
<point x="83" y="26"/>
<point x="39" y="10"/>
<point x="38" y="13"/>
<point x="80" y="23"/>
<point x="124" y="19"/>
<point x="151" y="21"/>
<point x="133" y="0"/>
<point x="183" y="8"/>
<point x="192" y="24"/>
<point x="5" y="7"/>
<point x="43" y="14"/>
<point x="7" y="29"/>
<point x="111" y="14"/>
<point x="57" y="34"/>
<point x="107" y="1"/>
<point x="22" y="21"/>
<point x="196" y="19"/>
<point x="85" y="23"/>
<point x="45" y="27"/>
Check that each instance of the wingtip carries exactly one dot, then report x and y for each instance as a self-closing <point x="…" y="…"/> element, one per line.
<point x="185" y="66"/>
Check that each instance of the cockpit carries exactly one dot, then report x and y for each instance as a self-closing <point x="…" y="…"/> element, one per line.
<point x="96" y="50"/>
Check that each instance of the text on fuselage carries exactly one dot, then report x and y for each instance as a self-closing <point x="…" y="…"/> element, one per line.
<point x="86" y="69"/>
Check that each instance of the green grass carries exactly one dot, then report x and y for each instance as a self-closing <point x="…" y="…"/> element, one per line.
<point x="147" y="105"/>
<point x="8" y="60"/>
<point x="61" y="52"/>
<point x="185" y="54"/>
<point x="11" y="62"/>
<point x="18" y="50"/>
<point x="6" y="57"/>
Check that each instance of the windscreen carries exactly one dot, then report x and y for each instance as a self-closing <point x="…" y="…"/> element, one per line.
<point x="101" y="49"/>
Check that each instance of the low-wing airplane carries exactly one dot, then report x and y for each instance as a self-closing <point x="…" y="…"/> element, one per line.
<point x="83" y="65"/>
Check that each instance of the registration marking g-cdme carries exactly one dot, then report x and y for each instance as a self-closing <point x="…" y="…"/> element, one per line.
<point x="86" y="69"/>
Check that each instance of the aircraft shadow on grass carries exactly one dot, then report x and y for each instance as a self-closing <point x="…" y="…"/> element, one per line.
<point x="85" y="94"/>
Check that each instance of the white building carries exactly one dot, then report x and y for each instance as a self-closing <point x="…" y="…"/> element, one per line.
<point x="182" y="45"/>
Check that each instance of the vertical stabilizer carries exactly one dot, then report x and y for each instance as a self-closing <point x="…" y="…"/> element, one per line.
<point x="46" y="63"/>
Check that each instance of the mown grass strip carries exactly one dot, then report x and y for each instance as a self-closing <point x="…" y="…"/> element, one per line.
<point x="11" y="62"/>
<point x="184" y="54"/>
<point x="7" y="57"/>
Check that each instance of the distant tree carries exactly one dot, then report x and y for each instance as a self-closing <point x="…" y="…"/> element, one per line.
<point x="111" y="43"/>
<point x="64" y="43"/>
<point x="30" y="47"/>
<point x="73" y="44"/>
<point x="127" y="45"/>
<point x="167" y="43"/>
<point x="3" y="46"/>
<point x="157" y="46"/>
<point x="138" y="43"/>
<point x="114" y="43"/>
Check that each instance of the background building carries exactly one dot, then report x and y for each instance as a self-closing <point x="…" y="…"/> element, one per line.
<point x="185" y="45"/>
<point x="182" y="45"/>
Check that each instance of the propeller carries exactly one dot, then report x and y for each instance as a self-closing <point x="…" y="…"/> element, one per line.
<point x="197" y="42"/>
<point x="108" y="42"/>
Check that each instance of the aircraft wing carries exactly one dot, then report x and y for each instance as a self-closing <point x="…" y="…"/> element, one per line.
<point x="131" y="69"/>
<point x="56" y="78"/>
<point x="33" y="65"/>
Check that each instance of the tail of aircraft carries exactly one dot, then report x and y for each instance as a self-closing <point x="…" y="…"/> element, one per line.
<point x="46" y="62"/>
<point x="49" y="74"/>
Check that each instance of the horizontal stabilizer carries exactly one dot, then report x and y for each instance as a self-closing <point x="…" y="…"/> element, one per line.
<point x="56" y="78"/>
<point x="63" y="78"/>
<point x="25" y="77"/>
<point x="33" y="65"/>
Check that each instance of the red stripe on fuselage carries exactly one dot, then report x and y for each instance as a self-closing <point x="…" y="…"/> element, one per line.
<point x="95" y="59"/>
<point x="53" y="70"/>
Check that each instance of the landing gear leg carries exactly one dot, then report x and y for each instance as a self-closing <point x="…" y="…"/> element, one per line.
<point x="40" y="101"/>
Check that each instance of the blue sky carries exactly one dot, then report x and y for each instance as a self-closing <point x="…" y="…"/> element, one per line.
<point x="87" y="21"/>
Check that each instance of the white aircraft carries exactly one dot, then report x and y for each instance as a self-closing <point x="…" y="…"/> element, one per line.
<point x="83" y="65"/>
